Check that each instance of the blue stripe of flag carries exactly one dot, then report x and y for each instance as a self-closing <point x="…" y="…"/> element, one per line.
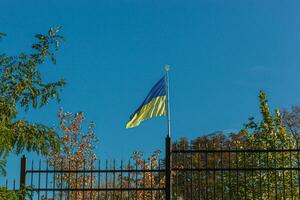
<point x="159" y="89"/>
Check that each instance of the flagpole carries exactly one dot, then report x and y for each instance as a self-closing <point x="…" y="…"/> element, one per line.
<point x="168" y="183"/>
<point x="167" y="68"/>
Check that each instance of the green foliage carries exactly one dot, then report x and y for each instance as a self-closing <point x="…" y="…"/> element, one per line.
<point x="9" y="194"/>
<point x="22" y="85"/>
<point x="268" y="133"/>
<point x="21" y="81"/>
<point x="6" y="194"/>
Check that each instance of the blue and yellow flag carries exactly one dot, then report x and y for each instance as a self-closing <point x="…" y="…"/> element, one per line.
<point x="153" y="106"/>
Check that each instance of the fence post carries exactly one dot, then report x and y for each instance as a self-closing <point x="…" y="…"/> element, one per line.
<point x="168" y="183"/>
<point x="23" y="177"/>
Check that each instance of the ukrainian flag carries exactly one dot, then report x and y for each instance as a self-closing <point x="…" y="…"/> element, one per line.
<point x="153" y="106"/>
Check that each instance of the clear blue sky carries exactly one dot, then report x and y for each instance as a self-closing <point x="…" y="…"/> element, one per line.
<point x="221" y="54"/>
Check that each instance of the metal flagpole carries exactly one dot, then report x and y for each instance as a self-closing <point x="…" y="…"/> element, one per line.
<point x="168" y="182"/>
<point x="167" y="68"/>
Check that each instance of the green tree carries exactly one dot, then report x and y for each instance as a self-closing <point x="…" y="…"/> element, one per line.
<point x="22" y="86"/>
<point x="268" y="133"/>
<point x="271" y="133"/>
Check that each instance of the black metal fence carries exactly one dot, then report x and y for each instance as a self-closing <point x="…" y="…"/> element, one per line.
<point x="186" y="173"/>
<point x="109" y="180"/>
<point x="236" y="174"/>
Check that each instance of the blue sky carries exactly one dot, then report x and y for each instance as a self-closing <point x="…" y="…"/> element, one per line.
<point x="221" y="54"/>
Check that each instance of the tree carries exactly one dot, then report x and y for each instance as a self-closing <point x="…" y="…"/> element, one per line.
<point x="22" y="85"/>
<point x="291" y="119"/>
<point x="268" y="133"/>
<point x="144" y="179"/>
<point x="271" y="133"/>
<point x="76" y="153"/>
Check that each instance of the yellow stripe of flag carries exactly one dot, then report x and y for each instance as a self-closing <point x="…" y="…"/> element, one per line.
<point x="153" y="106"/>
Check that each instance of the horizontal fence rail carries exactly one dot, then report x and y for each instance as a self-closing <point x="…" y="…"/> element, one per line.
<point x="202" y="173"/>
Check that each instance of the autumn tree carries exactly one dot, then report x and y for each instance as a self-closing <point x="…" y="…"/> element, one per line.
<point x="148" y="179"/>
<point x="144" y="175"/>
<point x="76" y="153"/>
<point x="22" y="86"/>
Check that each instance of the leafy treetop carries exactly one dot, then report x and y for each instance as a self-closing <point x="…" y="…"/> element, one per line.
<point x="22" y="85"/>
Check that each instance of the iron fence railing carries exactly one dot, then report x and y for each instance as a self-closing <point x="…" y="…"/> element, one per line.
<point x="185" y="174"/>
<point x="236" y="173"/>
<point x="103" y="181"/>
